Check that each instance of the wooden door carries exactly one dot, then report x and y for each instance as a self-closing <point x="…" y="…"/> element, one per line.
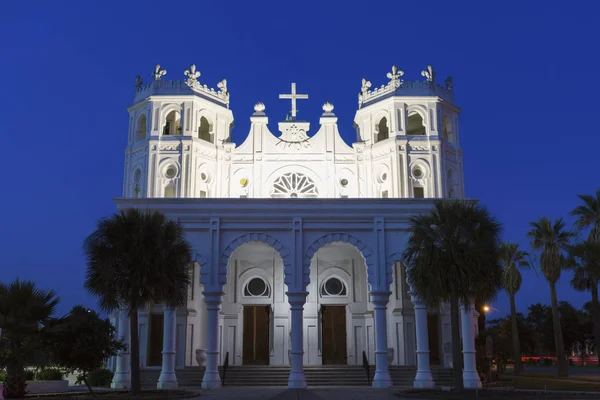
<point x="256" y="335"/>
<point x="333" y="321"/>
<point x="433" y="327"/>
<point x="155" y="341"/>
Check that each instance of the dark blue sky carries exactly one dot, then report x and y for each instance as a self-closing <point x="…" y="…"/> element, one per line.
<point x="524" y="75"/>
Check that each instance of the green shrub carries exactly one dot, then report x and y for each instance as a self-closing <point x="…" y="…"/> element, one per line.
<point x="2" y="376"/>
<point x="100" y="377"/>
<point x="49" y="374"/>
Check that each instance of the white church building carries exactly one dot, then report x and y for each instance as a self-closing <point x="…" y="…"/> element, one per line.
<point x="297" y="236"/>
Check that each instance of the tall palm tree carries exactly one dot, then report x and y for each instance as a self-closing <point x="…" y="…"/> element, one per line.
<point x="452" y="256"/>
<point x="511" y="259"/>
<point x="584" y="258"/>
<point x="24" y="311"/>
<point x="588" y="215"/>
<point x="552" y="239"/>
<point x="136" y="258"/>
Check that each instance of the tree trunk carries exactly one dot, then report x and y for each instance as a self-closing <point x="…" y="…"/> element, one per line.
<point x="87" y="383"/>
<point x="135" y="351"/>
<point x="457" y="359"/>
<point x="596" y="317"/>
<point x="563" y="364"/>
<point x="515" y="336"/>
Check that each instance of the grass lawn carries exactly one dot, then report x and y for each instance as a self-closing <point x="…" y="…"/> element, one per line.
<point x="546" y="382"/>
<point x="118" y="395"/>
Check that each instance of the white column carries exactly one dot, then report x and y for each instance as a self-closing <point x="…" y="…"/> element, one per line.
<point x="470" y="375"/>
<point x="423" y="378"/>
<point x="382" y="377"/>
<point x="297" y="380"/>
<point x="122" y="377"/>
<point x="211" y="379"/>
<point x="168" y="378"/>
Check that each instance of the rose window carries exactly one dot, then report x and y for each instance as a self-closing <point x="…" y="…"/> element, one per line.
<point x="294" y="184"/>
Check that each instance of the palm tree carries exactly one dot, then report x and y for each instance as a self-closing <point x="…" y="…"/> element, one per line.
<point x="588" y="215"/>
<point x="512" y="259"/>
<point x="584" y="258"/>
<point x="551" y="239"/>
<point x="452" y="256"/>
<point x="133" y="259"/>
<point x="24" y="312"/>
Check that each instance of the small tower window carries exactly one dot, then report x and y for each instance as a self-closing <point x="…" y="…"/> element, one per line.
<point x="172" y="124"/>
<point x="382" y="130"/>
<point x="170" y="191"/>
<point x="418" y="192"/>
<point x="137" y="177"/>
<point x="447" y="129"/>
<point x="140" y="128"/>
<point x="204" y="131"/>
<point x="415" y="125"/>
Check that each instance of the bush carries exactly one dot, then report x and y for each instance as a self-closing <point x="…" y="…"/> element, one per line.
<point x="2" y="376"/>
<point x="100" y="377"/>
<point x="29" y="374"/>
<point x="49" y="374"/>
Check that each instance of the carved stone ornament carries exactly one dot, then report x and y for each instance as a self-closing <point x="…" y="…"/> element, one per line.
<point x="429" y="74"/>
<point x="365" y="86"/>
<point x="222" y="85"/>
<point x="449" y="84"/>
<point x="328" y="107"/>
<point x="259" y="107"/>
<point x="158" y="72"/>
<point x="192" y="75"/>
<point x="138" y="82"/>
<point x="395" y="75"/>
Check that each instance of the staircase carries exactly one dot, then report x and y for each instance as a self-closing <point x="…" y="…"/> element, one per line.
<point x="335" y="375"/>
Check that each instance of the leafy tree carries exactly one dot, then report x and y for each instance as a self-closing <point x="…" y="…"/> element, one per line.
<point x="539" y="318"/>
<point x="551" y="239"/>
<point x="452" y="256"/>
<point x="25" y="310"/>
<point x="511" y="259"/>
<point x="135" y="258"/>
<point x="85" y="342"/>
<point x="584" y="258"/>
<point x="501" y="330"/>
<point x="588" y="215"/>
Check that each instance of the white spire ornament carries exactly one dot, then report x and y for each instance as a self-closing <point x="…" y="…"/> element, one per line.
<point x="158" y="72"/>
<point x="192" y="75"/>
<point x="395" y="75"/>
<point x="429" y="74"/>
<point x="223" y="86"/>
<point x="366" y="85"/>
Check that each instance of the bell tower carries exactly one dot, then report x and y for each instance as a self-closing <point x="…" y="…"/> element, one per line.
<point x="177" y="128"/>
<point x="408" y="134"/>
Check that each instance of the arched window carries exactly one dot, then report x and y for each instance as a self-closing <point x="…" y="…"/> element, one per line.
<point x="140" y="128"/>
<point x="451" y="183"/>
<point x="137" y="178"/>
<point x="415" y="125"/>
<point x="172" y="124"/>
<point x="333" y="287"/>
<point x="257" y="287"/>
<point x="382" y="130"/>
<point x="204" y="131"/>
<point x="293" y="185"/>
<point x="447" y="129"/>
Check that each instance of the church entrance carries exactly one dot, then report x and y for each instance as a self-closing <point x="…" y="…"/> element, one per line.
<point x="433" y="326"/>
<point x="334" y="335"/>
<point x="155" y="340"/>
<point x="256" y="335"/>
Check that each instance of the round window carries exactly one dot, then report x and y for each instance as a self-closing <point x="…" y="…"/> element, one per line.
<point x="344" y="182"/>
<point x="203" y="176"/>
<point x="334" y="287"/>
<point x="384" y="176"/>
<point x="417" y="173"/>
<point x="256" y="287"/>
<point x="170" y="172"/>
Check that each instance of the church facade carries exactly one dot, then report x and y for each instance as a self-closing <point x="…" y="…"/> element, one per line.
<point x="297" y="237"/>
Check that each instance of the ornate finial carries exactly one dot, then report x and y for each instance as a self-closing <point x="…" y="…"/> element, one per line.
<point x="158" y="72"/>
<point x="138" y="82"/>
<point x="429" y="74"/>
<point x="223" y="86"/>
<point x="449" y="84"/>
<point x="365" y="86"/>
<point x="259" y="107"/>
<point x="328" y="107"/>
<point x="192" y="75"/>
<point x="395" y="74"/>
